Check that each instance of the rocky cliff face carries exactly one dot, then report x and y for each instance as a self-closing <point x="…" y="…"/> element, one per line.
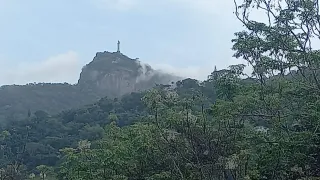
<point x="114" y="74"/>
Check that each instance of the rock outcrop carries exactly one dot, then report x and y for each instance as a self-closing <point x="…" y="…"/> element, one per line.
<point x="114" y="74"/>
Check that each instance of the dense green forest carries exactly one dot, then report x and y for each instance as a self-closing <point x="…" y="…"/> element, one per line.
<point x="233" y="126"/>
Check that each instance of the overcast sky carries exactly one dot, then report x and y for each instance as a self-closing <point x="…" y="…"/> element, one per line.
<point x="50" y="41"/>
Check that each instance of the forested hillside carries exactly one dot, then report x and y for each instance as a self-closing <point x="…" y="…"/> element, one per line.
<point x="232" y="126"/>
<point x="39" y="138"/>
<point x="110" y="74"/>
<point x="17" y="100"/>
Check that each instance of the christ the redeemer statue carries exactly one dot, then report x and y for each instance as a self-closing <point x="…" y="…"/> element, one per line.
<point x="118" y="50"/>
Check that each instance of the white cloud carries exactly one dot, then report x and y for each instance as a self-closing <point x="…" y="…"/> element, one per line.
<point x="60" y="68"/>
<point x="66" y="67"/>
<point x="195" y="72"/>
<point x="200" y="72"/>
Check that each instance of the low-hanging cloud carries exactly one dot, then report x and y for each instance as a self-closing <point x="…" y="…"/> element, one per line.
<point x="195" y="72"/>
<point x="64" y="67"/>
<point x="144" y="74"/>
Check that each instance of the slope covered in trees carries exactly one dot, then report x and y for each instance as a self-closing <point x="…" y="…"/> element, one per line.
<point x="108" y="74"/>
<point x="263" y="127"/>
<point x="38" y="139"/>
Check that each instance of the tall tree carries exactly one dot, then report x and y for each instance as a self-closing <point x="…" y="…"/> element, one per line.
<point x="287" y="65"/>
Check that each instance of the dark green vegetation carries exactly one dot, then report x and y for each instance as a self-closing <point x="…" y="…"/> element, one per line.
<point x="227" y="127"/>
<point x="17" y="100"/>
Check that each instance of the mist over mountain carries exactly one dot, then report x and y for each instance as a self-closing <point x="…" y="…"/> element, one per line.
<point x="110" y="74"/>
<point x="114" y="74"/>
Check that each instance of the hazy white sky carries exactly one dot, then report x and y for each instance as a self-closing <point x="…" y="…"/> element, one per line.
<point x="50" y="41"/>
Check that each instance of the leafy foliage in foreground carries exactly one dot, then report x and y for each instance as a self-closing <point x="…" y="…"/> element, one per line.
<point x="179" y="141"/>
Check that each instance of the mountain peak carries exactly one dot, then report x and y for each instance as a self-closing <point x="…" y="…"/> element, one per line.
<point x="115" y="74"/>
<point x="110" y="74"/>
